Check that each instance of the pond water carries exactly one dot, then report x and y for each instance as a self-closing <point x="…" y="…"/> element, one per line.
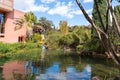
<point x="57" y="65"/>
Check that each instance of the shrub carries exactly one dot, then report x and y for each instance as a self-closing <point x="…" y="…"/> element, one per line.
<point x="52" y="41"/>
<point x="70" y="40"/>
<point x="4" y="48"/>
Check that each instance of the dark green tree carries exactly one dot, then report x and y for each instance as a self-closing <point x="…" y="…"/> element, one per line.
<point x="101" y="15"/>
<point x="113" y="32"/>
<point x="46" y="24"/>
<point x="117" y="13"/>
<point x="101" y="18"/>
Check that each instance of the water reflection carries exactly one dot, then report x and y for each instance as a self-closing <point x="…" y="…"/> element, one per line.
<point x="53" y="73"/>
<point x="27" y="71"/>
<point x="13" y="70"/>
<point x="58" y="66"/>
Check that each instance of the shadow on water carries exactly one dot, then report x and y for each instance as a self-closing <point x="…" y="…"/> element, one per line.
<point x="43" y="63"/>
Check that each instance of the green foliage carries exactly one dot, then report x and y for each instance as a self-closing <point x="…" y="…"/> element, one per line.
<point x="117" y="13"/>
<point x="30" y="18"/>
<point x="4" y="48"/>
<point x="46" y="24"/>
<point x="78" y="35"/>
<point x="83" y="33"/>
<point x="80" y="47"/>
<point x="92" y="45"/>
<point x="102" y="5"/>
<point x="36" y="37"/>
<point x="52" y="41"/>
<point x="70" y="40"/>
<point x="113" y="32"/>
<point x="28" y="55"/>
<point x="11" y="49"/>
<point x="63" y="27"/>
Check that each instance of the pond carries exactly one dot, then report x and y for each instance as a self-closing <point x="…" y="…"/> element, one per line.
<point x="56" y="65"/>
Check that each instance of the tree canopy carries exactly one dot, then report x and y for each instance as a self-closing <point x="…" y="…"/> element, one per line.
<point x="46" y="24"/>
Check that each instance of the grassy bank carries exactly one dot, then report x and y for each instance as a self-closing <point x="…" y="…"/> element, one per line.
<point x="11" y="49"/>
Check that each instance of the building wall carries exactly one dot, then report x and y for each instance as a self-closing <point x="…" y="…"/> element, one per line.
<point x="11" y="35"/>
<point x="6" y="5"/>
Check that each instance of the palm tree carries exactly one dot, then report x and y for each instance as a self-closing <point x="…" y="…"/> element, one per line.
<point x="30" y="19"/>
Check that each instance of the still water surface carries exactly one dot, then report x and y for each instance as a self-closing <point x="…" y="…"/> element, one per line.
<point x="57" y="65"/>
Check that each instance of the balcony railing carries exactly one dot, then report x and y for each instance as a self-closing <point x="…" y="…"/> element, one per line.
<point x="6" y="5"/>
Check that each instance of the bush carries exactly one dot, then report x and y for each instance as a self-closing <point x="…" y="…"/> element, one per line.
<point x="70" y="40"/>
<point x="4" y="48"/>
<point x="52" y="41"/>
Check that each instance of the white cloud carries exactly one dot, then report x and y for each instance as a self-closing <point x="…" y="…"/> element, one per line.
<point x="87" y="1"/>
<point x="47" y="1"/>
<point x="62" y="9"/>
<point x="29" y="5"/>
<point x="66" y="10"/>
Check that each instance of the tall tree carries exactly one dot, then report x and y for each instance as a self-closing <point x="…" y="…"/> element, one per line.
<point x="113" y="33"/>
<point x="46" y="24"/>
<point x="110" y="46"/>
<point x="100" y="15"/>
<point x="30" y="19"/>
<point x="117" y="13"/>
<point x="101" y="18"/>
<point x="63" y="27"/>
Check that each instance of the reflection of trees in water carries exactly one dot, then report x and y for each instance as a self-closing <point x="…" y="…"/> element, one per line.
<point x="100" y="66"/>
<point x="29" y="75"/>
<point x="1" y="74"/>
<point x="18" y="76"/>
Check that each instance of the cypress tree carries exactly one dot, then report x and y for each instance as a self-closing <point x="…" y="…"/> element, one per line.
<point x="102" y="6"/>
<point x="117" y="13"/>
<point x="99" y="17"/>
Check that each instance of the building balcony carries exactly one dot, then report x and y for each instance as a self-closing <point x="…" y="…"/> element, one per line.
<point x="6" y="5"/>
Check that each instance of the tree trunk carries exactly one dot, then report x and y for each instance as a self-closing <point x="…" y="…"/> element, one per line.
<point x="110" y="48"/>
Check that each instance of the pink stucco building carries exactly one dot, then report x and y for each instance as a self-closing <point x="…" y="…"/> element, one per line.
<point x="8" y="18"/>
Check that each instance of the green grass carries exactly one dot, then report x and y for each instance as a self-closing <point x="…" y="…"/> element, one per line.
<point x="11" y="49"/>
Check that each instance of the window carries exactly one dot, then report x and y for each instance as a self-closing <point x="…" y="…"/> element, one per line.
<point x="21" y="39"/>
<point x="1" y="23"/>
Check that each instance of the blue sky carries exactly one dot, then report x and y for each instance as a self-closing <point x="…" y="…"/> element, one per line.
<point x="57" y="10"/>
